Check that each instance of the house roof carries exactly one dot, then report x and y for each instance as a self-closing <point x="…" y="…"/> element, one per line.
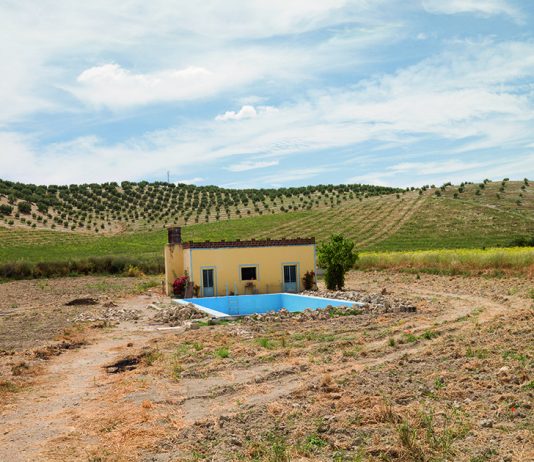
<point x="250" y="243"/>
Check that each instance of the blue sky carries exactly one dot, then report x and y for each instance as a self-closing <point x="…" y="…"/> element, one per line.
<point x="249" y="93"/>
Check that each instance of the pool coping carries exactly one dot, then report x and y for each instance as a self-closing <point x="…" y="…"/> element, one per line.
<point x="220" y="314"/>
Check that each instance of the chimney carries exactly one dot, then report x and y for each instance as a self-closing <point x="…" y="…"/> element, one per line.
<point x="174" y="235"/>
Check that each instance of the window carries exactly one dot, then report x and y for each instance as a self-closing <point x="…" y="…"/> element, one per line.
<point x="248" y="273"/>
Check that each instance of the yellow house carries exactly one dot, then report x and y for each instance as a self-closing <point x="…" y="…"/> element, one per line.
<point x="239" y="267"/>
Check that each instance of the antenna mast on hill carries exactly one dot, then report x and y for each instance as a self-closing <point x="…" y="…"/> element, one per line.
<point x="168" y="177"/>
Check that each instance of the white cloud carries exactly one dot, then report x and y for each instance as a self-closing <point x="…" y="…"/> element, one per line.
<point x="246" y="112"/>
<point x="207" y="47"/>
<point x="195" y="180"/>
<point x="465" y="95"/>
<point x="431" y="168"/>
<point x="484" y="7"/>
<point x="291" y="176"/>
<point x="439" y="172"/>
<point x="250" y="165"/>
<point x="115" y="87"/>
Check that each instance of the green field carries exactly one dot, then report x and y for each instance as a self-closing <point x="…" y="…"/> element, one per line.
<point x="394" y="222"/>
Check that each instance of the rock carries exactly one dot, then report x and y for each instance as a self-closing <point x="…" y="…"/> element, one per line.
<point x="109" y="314"/>
<point x="486" y="423"/>
<point x="176" y="315"/>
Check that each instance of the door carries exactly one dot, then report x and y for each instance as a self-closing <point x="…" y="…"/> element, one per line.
<point x="208" y="288"/>
<point x="290" y="278"/>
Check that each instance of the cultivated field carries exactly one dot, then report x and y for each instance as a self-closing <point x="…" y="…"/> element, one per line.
<point x="495" y="215"/>
<point x="452" y="381"/>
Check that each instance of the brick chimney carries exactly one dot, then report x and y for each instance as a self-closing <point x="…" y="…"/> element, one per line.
<point x="174" y="235"/>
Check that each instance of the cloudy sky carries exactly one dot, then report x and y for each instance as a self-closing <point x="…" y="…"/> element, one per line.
<point x="261" y="93"/>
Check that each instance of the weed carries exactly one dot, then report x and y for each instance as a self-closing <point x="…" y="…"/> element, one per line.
<point x="408" y="439"/>
<point x="151" y="357"/>
<point x="133" y="271"/>
<point x="439" y="383"/>
<point x="485" y="456"/>
<point x="142" y="287"/>
<point x="222" y="352"/>
<point x="410" y="338"/>
<point x="392" y="342"/>
<point x="529" y="385"/>
<point x="480" y="354"/>
<point x="515" y="356"/>
<point x="264" y="343"/>
<point x="9" y="387"/>
<point x="313" y="442"/>
<point x="429" y="335"/>
<point x="177" y="370"/>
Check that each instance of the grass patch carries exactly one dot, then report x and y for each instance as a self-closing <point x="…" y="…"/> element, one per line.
<point x="222" y="353"/>
<point x="264" y="343"/>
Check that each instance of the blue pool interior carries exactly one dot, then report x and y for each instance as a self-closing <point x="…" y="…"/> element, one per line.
<point x="251" y="304"/>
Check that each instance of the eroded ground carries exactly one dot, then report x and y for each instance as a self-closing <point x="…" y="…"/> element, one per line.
<point x="452" y="381"/>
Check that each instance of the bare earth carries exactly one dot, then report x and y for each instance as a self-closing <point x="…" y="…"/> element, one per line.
<point x="452" y="381"/>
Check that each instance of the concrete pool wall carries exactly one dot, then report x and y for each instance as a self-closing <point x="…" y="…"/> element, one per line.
<point x="242" y="305"/>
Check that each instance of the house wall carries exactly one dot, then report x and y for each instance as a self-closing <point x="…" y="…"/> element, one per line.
<point x="174" y="264"/>
<point x="227" y="264"/>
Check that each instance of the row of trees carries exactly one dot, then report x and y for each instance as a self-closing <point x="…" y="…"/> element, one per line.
<point x="92" y="205"/>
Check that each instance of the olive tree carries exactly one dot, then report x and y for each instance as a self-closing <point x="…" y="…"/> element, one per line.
<point x="336" y="256"/>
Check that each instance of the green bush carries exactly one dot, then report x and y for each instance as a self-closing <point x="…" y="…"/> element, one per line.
<point x="96" y="265"/>
<point x="5" y="209"/>
<point x="336" y="257"/>
<point x="24" y="207"/>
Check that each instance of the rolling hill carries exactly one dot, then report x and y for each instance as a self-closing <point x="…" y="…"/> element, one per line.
<point x="465" y="216"/>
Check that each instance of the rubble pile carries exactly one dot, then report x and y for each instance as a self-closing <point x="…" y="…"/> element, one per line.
<point x="109" y="314"/>
<point x="176" y="315"/>
<point x="372" y="302"/>
<point x="363" y="303"/>
<point x="306" y="315"/>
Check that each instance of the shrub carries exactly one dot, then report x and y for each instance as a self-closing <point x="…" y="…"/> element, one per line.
<point x="24" y="207"/>
<point x="336" y="256"/>
<point x="5" y="209"/>
<point x="308" y="281"/>
<point x="179" y="285"/>
<point x="222" y="352"/>
<point x="133" y="272"/>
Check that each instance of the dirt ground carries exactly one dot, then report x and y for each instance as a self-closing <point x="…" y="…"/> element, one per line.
<point x="451" y="381"/>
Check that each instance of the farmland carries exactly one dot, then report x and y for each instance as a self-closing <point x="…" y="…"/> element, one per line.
<point x="452" y="381"/>
<point x="413" y="220"/>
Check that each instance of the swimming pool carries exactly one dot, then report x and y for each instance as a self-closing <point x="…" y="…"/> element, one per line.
<point x="241" y="305"/>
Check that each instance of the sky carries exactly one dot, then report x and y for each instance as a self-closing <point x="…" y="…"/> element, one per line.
<point x="266" y="93"/>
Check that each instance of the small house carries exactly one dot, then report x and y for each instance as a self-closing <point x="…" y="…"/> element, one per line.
<point x="239" y="267"/>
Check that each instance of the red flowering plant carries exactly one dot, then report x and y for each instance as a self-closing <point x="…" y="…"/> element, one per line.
<point x="179" y="285"/>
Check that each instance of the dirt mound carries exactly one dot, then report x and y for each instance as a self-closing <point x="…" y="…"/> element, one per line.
<point x="175" y="315"/>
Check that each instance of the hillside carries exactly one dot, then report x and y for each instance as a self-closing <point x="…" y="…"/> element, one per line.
<point x="111" y="208"/>
<point x="492" y="215"/>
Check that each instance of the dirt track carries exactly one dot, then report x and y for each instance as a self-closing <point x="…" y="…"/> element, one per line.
<point x="309" y="390"/>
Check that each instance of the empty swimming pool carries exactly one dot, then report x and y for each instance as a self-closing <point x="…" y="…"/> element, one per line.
<point x="241" y="305"/>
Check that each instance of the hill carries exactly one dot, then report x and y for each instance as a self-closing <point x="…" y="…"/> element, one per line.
<point x="465" y="216"/>
<point x="111" y="208"/>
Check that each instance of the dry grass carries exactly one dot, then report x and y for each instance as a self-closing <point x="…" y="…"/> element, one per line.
<point x="497" y="261"/>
